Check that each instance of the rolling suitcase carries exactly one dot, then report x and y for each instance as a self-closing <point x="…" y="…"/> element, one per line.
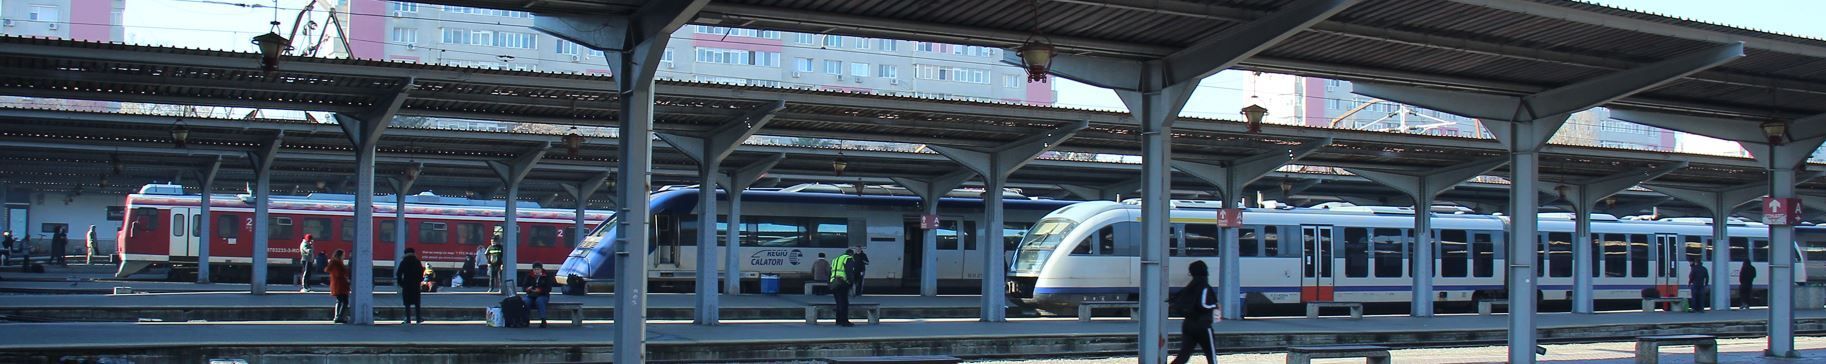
<point x="513" y="312"/>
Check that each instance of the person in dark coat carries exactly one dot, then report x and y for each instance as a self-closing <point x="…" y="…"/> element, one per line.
<point x="60" y="242"/>
<point x="1746" y="285"/>
<point x="1699" y="281"/>
<point x="339" y="286"/>
<point x="1197" y="302"/>
<point x="407" y="277"/>
<point x="861" y="261"/>
<point x="538" y="290"/>
<point x="6" y="241"/>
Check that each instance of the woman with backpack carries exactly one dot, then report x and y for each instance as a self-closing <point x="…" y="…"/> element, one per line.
<point x="1198" y="304"/>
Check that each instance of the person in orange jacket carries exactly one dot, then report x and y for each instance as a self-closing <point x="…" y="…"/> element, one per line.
<point x="339" y="286"/>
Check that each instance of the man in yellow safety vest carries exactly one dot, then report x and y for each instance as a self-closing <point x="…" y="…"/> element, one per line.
<point x="840" y="286"/>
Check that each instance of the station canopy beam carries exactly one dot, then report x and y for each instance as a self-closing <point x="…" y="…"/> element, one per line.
<point x="1231" y="177"/>
<point x="1584" y="197"/>
<point x="1782" y="147"/>
<point x="1108" y="192"/>
<point x="994" y="166"/>
<point x="738" y="180"/>
<point x="1523" y="124"/>
<point x="637" y="40"/>
<point x="1155" y="91"/>
<point x="364" y="130"/>
<point x="708" y="149"/>
<point x="1423" y="187"/>
<point x="930" y="190"/>
<point x="512" y="172"/>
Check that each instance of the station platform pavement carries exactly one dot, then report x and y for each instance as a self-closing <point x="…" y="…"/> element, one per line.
<point x="787" y="340"/>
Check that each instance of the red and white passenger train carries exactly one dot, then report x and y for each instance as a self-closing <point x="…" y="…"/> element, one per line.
<point x="161" y="228"/>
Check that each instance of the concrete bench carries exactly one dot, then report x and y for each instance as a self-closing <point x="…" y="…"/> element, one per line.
<point x="812" y="310"/>
<point x="1705" y="347"/>
<point x="1084" y="308"/>
<point x="1486" y="306"/>
<point x="1679" y="304"/>
<point x="1356" y="308"/>
<point x="575" y="307"/>
<point x="915" y="359"/>
<point x="1305" y="354"/>
<point x="813" y="284"/>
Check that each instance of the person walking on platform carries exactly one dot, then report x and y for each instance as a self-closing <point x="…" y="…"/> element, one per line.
<point x="6" y="241"/>
<point x="538" y="290"/>
<point x="407" y="277"/>
<point x="840" y="286"/>
<point x="305" y="248"/>
<point x="88" y="251"/>
<point x="1698" y="281"/>
<point x="339" y="286"/>
<point x="494" y="263"/>
<point x="861" y="261"/>
<point x="60" y="243"/>
<point x="1197" y="303"/>
<point x="1746" y="285"/>
<point x="821" y="272"/>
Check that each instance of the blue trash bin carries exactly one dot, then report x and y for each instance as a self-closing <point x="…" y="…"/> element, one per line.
<point x="770" y="284"/>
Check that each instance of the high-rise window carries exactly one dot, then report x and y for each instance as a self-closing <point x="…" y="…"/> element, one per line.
<point x="833" y="41"/>
<point x="737" y="56"/>
<point x="859" y="69"/>
<point x="802" y="38"/>
<point x="665" y="59"/>
<point x="45" y="13"/>
<point x="454" y="36"/>
<point x="404" y="35"/>
<point x="566" y="47"/>
<point x="833" y="66"/>
<point x="887" y="71"/>
<point x="802" y="64"/>
<point x="864" y="43"/>
<point x="887" y="45"/>
<point x="401" y="6"/>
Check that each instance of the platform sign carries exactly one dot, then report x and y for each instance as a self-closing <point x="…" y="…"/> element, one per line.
<point x="1781" y="211"/>
<point x="928" y="222"/>
<point x="1229" y="218"/>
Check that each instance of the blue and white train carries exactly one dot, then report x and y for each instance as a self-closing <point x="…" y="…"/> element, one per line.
<point x="784" y="230"/>
<point x="1089" y="251"/>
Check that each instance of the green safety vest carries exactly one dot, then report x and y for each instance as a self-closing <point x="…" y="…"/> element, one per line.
<point x="837" y="268"/>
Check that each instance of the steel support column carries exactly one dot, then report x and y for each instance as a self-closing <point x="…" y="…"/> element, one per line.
<point x="995" y="166"/>
<point x="738" y="181"/>
<point x="1231" y="177"/>
<point x="364" y="132"/>
<point x="1424" y="187"/>
<point x="709" y="149"/>
<point x="207" y="175"/>
<point x="402" y="187"/>
<point x="931" y="190"/>
<point x="1584" y="197"/>
<point x="263" y="178"/>
<point x="512" y="173"/>
<point x="637" y="40"/>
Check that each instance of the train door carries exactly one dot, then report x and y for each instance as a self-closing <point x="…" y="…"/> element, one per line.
<point x="1666" y="253"/>
<point x="950" y="249"/>
<point x="913" y="240"/>
<point x="972" y="264"/>
<point x="183" y="232"/>
<point x="666" y="240"/>
<point x="1316" y="280"/>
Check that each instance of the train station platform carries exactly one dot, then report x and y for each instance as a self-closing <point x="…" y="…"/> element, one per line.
<point x="782" y="341"/>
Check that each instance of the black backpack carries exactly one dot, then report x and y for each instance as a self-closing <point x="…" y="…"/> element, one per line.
<point x="513" y="312"/>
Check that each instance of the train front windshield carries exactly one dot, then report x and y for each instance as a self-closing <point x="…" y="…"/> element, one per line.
<point x="1040" y="242"/>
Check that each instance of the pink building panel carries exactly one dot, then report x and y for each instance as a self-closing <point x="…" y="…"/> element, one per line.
<point x="367" y="34"/>
<point x="1040" y="92"/>
<point x="92" y="20"/>
<point x="1312" y="103"/>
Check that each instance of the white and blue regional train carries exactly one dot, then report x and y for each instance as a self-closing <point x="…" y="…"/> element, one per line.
<point x="1089" y="251"/>
<point x="784" y="230"/>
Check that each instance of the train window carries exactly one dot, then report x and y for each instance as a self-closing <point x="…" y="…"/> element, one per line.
<point x="145" y="219"/>
<point x="777" y="232"/>
<point x="1356" y="252"/>
<point x="433" y="232"/>
<point x="1175" y="239"/>
<point x="385" y="230"/>
<point x="1696" y="248"/>
<point x="348" y="229"/>
<point x="1638" y="255"/>
<point x="317" y="228"/>
<point x="1759" y="250"/>
<point x="1453" y="251"/>
<point x="469" y="233"/>
<point x="1483" y="255"/>
<point x="947" y="235"/>
<point x="1201" y="240"/>
<point x="1616" y="255"/>
<point x="970" y="237"/>
<point x="1127" y="239"/>
<point x="279" y="228"/>
<point x="1387" y="244"/>
<point x="542" y="236"/>
<point x="1271" y="241"/>
<point x="1559" y="255"/>
<point x="1012" y="234"/>
<point x="1738" y="252"/>
<point x="177" y="224"/>
<point x="1597" y="249"/>
<point x="831" y="233"/>
<point x="1106" y="240"/>
<point x="228" y="226"/>
<point x="1249" y="241"/>
<point x="1084" y="247"/>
